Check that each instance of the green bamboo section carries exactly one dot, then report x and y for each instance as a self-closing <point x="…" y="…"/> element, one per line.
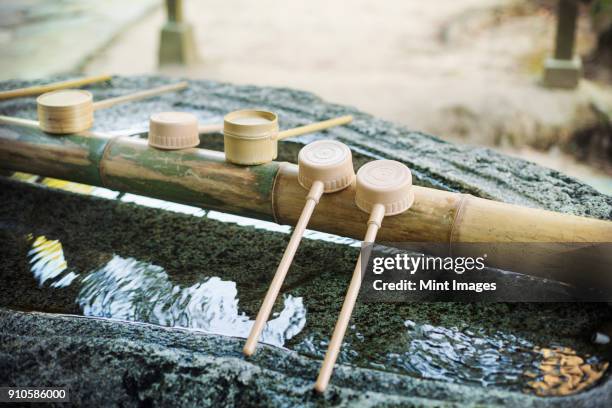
<point x="203" y="178"/>
<point x="271" y="191"/>
<point x="196" y="177"/>
<point x="72" y="157"/>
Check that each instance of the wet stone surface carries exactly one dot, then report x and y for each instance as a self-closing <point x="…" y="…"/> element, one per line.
<point x="73" y="254"/>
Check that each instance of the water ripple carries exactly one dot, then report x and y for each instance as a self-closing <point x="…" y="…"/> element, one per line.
<point x="47" y="263"/>
<point x="129" y="289"/>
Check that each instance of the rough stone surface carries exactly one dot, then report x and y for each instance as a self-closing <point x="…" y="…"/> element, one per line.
<point x="128" y="364"/>
<point x="141" y="365"/>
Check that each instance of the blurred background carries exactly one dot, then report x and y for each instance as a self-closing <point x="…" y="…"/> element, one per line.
<point x="531" y="78"/>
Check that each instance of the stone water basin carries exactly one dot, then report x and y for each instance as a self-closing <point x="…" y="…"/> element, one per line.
<point x="124" y="260"/>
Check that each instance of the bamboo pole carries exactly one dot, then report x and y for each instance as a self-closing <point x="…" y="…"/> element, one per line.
<point x="71" y="157"/>
<point x="40" y="89"/>
<point x="271" y="191"/>
<point x="440" y="216"/>
<point x="197" y="177"/>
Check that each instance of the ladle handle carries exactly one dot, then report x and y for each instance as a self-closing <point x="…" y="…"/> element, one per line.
<point x="277" y="282"/>
<point x="107" y="103"/>
<point x="210" y="128"/>
<point x="314" y="127"/>
<point x="10" y="120"/>
<point x="327" y="368"/>
<point x="37" y="90"/>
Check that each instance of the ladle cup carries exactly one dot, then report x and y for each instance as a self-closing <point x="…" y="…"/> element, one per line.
<point x="178" y="130"/>
<point x="384" y="187"/>
<point x="251" y="136"/>
<point x="72" y="110"/>
<point x="325" y="166"/>
<point x="173" y="130"/>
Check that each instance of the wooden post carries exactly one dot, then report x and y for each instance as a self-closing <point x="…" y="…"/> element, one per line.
<point x="566" y="29"/>
<point x="174" y="10"/>
<point x="177" y="44"/>
<point x="564" y="70"/>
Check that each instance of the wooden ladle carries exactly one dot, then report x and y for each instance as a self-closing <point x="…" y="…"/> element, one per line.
<point x="251" y="136"/>
<point x="384" y="188"/>
<point x="325" y="166"/>
<point x="72" y="110"/>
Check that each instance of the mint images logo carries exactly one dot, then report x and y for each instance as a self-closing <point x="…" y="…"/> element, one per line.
<point x="413" y="263"/>
<point x="486" y="272"/>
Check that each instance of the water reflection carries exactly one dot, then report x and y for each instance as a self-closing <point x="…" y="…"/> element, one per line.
<point x="457" y="355"/>
<point x="316" y="346"/>
<point x="47" y="263"/>
<point x="498" y="359"/>
<point x="129" y="289"/>
<point x="462" y="356"/>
